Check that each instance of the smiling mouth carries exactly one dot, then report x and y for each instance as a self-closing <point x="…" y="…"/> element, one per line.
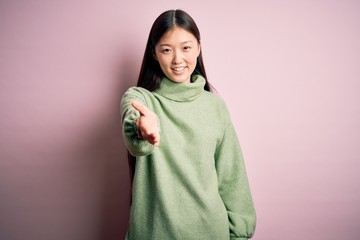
<point x="178" y="69"/>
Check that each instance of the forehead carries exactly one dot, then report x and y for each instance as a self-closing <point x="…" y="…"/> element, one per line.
<point x="177" y="35"/>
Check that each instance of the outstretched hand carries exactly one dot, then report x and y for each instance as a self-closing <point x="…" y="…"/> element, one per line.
<point x="147" y="124"/>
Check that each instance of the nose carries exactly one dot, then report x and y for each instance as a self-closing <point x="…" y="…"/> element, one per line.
<point x="177" y="57"/>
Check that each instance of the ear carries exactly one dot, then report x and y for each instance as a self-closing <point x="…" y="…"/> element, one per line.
<point x="154" y="54"/>
<point x="199" y="50"/>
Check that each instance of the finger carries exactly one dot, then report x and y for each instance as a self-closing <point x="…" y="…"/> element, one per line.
<point x="151" y="137"/>
<point x="141" y="108"/>
<point x="156" y="142"/>
<point x="154" y="139"/>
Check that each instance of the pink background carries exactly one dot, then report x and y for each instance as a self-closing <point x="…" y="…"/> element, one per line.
<point x="288" y="70"/>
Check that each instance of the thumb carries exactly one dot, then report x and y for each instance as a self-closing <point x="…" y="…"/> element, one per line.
<point x="144" y="111"/>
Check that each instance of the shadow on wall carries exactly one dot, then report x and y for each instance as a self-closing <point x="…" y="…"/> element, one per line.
<point x="61" y="177"/>
<point x="109" y="146"/>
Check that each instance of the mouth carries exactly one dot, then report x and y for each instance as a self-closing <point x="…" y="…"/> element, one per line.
<point x="178" y="69"/>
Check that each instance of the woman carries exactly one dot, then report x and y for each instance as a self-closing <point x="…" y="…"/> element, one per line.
<point x="189" y="178"/>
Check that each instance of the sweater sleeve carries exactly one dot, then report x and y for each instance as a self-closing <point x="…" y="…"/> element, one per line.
<point x="234" y="187"/>
<point x="135" y="145"/>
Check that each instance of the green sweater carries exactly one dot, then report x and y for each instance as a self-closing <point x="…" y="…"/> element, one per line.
<point x="194" y="185"/>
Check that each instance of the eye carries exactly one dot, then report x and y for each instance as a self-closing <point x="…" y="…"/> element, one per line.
<point x="187" y="48"/>
<point x="166" y="50"/>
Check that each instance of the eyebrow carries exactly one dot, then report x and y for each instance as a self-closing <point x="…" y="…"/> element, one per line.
<point x="168" y="45"/>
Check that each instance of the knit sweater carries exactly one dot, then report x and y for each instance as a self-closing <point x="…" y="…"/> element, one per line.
<point x="194" y="185"/>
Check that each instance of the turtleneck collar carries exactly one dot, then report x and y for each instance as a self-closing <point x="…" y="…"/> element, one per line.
<point x="181" y="92"/>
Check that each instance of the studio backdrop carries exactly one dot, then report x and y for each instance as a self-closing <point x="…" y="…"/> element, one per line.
<point x="287" y="70"/>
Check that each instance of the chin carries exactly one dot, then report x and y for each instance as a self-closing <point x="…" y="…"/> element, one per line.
<point x="180" y="79"/>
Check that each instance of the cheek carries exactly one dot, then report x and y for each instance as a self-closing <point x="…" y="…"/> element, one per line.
<point x="193" y="58"/>
<point x="163" y="61"/>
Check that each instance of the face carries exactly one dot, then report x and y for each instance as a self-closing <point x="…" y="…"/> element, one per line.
<point x="177" y="52"/>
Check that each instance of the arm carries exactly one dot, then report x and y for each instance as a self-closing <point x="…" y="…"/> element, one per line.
<point x="139" y="124"/>
<point x="234" y="187"/>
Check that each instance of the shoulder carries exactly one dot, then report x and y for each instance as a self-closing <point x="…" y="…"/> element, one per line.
<point x="215" y="99"/>
<point x="137" y="93"/>
<point x="218" y="104"/>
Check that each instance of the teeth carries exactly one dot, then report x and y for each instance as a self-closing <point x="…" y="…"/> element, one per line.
<point x="177" y="69"/>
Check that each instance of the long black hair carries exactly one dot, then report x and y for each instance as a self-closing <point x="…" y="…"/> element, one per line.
<point x="150" y="73"/>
